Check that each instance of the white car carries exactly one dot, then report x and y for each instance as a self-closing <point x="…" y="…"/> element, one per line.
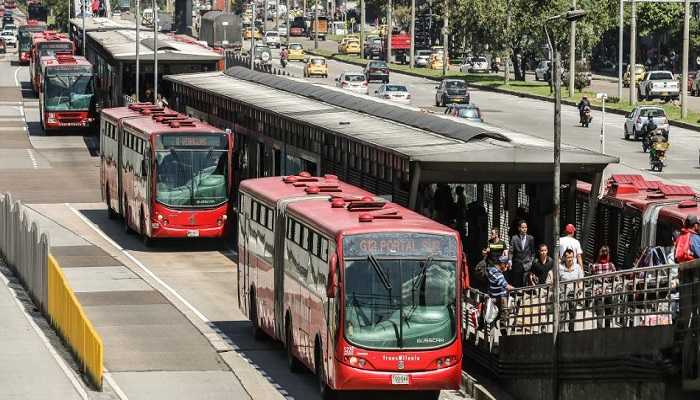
<point x="542" y="70"/>
<point x="637" y="118"/>
<point x="9" y="37"/>
<point x="352" y="81"/>
<point x="423" y="58"/>
<point x="272" y="39"/>
<point x="395" y="93"/>
<point x="475" y="64"/>
<point x="282" y="30"/>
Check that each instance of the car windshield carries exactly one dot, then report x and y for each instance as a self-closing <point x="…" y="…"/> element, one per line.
<point x="380" y="64"/>
<point x="479" y="59"/>
<point x="652" y="112"/>
<point x="455" y="84"/>
<point x="400" y="290"/>
<point x="261" y="49"/>
<point x="355" y="78"/>
<point x="395" y="88"/>
<point x="7" y="33"/>
<point x="318" y="61"/>
<point x="192" y="170"/>
<point x="660" y="76"/>
<point x="423" y="53"/>
<point x="68" y="89"/>
<point x="471" y="113"/>
<point x="544" y="64"/>
<point x="271" y="34"/>
<point x="295" y="46"/>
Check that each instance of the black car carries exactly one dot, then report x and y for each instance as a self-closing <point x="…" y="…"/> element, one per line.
<point x="373" y="49"/>
<point x="451" y="91"/>
<point x="7" y="20"/>
<point x="377" y="71"/>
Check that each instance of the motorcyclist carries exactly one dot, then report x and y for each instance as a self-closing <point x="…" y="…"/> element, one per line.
<point x="657" y="145"/>
<point x="582" y="105"/>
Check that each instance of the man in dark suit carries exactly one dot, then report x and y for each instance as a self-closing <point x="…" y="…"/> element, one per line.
<point x="522" y="253"/>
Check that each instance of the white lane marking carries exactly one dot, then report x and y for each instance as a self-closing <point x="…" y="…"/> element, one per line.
<point x="61" y="363"/>
<point x="17" y="77"/>
<point x="35" y="164"/>
<point x="139" y="263"/>
<point x="118" y="390"/>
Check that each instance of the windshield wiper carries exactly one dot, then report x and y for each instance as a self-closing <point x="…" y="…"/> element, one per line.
<point x="380" y="272"/>
<point x="416" y="284"/>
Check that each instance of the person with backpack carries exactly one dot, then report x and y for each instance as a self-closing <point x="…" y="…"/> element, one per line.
<point x="687" y="246"/>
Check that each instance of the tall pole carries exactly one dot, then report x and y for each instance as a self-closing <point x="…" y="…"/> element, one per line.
<point x="684" y="78"/>
<point x="445" y="44"/>
<point x="555" y="218"/>
<point x="316" y="26"/>
<point x="506" y="73"/>
<point x="252" y="40"/>
<point x="602" y="127"/>
<point x="572" y="53"/>
<point x="362" y="26"/>
<point x="620" y="46"/>
<point x="155" y="52"/>
<point x="286" y="21"/>
<point x="413" y="33"/>
<point x="138" y="46"/>
<point x="84" y="10"/>
<point x="633" y="55"/>
<point x="388" y="31"/>
<point x="265" y="16"/>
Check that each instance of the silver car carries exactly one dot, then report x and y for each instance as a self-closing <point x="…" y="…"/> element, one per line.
<point x="423" y="58"/>
<point x="352" y="81"/>
<point x="395" y="93"/>
<point x="635" y="120"/>
<point x="541" y="70"/>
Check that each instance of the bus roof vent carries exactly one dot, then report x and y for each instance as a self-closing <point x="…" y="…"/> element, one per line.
<point x="298" y="180"/>
<point x="323" y="188"/>
<point x="65" y="58"/>
<point x="687" y="204"/>
<point x="676" y="190"/>
<point x="656" y="196"/>
<point x="151" y="110"/>
<point x="165" y="116"/>
<point x="179" y="123"/>
<point x="140" y="106"/>
<point x="389" y="213"/>
<point x="366" y="204"/>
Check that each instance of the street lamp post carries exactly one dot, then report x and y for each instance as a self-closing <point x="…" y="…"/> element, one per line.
<point x="633" y="55"/>
<point x="362" y="27"/>
<point x="620" y="46"/>
<point x="388" y="31"/>
<point x="316" y="26"/>
<point x="155" y="52"/>
<point x="445" y="44"/>
<point x="252" y="40"/>
<point x="138" y="45"/>
<point x="686" y="43"/>
<point x="602" y="97"/>
<point x="84" y="9"/>
<point x="572" y="53"/>
<point x="413" y="33"/>
<point x="570" y="16"/>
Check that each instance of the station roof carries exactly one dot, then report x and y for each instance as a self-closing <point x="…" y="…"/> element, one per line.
<point x="104" y="24"/>
<point x="448" y="149"/>
<point x="122" y="46"/>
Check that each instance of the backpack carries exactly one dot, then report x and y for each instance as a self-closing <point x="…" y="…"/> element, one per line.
<point x="682" y="252"/>
<point x="480" y="271"/>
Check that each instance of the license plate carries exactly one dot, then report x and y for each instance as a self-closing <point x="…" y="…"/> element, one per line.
<point x="664" y="93"/>
<point x="193" y="233"/>
<point x="399" y="379"/>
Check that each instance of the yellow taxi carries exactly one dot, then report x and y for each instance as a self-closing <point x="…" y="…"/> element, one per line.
<point x="639" y="72"/>
<point x="316" y="66"/>
<point x="248" y="34"/>
<point x="351" y="46"/>
<point x="435" y="61"/>
<point x="295" y="52"/>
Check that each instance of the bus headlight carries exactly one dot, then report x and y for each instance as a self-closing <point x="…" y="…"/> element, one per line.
<point x="444" y="362"/>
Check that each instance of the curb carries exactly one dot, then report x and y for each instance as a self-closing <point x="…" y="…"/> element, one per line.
<point x="679" y="124"/>
<point x="472" y="387"/>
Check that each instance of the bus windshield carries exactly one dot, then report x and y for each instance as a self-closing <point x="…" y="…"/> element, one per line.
<point x="25" y="40"/>
<point x="400" y="290"/>
<point x="68" y="89"/>
<point x="192" y="170"/>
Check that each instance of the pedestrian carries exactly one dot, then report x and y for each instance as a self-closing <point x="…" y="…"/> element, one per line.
<point x="499" y="288"/>
<point x="603" y="288"/>
<point x="541" y="266"/>
<point x="444" y="204"/>
<point x="568" y="271"/>
<point x="496" y="247"/>
<point x="569" y="242"/>
<point x="687" y="244"/>
<point x="522" y="253"/>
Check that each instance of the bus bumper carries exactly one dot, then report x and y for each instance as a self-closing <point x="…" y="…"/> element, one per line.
<point x="161" y="232"/>
<point x="349" y="378"/>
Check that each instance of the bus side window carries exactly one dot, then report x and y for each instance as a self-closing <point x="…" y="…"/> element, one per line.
<point x="324" y="249"/>
<point x="296" y="233"/>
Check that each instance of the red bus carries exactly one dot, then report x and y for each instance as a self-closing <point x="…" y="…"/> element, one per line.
<point x="362" y="291"/>
<point x="10" y="4"/>
<point x="24" y="39"/>
<point x="66" y="92"/>
<point x="44" y="44"/>
<point x="168" y="175"/>
<point x="634" y="214"/>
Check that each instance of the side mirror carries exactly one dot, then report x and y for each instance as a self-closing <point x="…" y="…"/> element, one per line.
<point x="332" y="282"/>
<point x="437" y="87"/>
<point x="144" y="167"/>
<point x="375" y="92"/>
<point x="465" y="273"/>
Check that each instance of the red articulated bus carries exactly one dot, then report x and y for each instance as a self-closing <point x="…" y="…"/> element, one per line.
<point x="634" y="214"/>
<point x="45" y="44"/>
<point x="362" y="291"/>
<point x="24" y="39"/>
<point x="168" y="175"/>
<point x="66" y="92"/>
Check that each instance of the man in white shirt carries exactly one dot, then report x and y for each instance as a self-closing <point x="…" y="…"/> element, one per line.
<point x="570" y="242"/>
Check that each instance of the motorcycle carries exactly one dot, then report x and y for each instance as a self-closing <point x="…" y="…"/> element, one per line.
<point x="586" y="117"/>
<point x="283" y="62"/>
<point x="657" y="156"/>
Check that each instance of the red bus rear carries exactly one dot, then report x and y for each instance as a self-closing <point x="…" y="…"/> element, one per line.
<point x="66" y="92"/>
<point x="45" y="44"/>
<point x="166" y="174"/>
<point x="364" y="292"/>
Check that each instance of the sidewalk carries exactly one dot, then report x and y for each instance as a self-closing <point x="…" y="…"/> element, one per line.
<point x="30" y="369"/>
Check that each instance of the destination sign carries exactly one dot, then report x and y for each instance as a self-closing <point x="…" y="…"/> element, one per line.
<point x="399" y="244"/>
<point x="193" y="141"/>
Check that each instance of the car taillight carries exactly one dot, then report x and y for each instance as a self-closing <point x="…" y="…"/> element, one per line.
<point x="408" y="96"/>
<point x="387" y="96"/>
<point x="343" y="84"/>
<point x="364" y="84"/>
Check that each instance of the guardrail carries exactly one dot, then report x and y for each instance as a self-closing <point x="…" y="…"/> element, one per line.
<point x="69" y="319"/>
<point x="638" y="297"/>
<point x="27" y="254"/>
<point x="235" y="59"/>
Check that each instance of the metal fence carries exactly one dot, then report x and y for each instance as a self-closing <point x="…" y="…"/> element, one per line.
<point x="25" y="250"/>
<point x="638" y="297"/>
<point x="233" y="59"/>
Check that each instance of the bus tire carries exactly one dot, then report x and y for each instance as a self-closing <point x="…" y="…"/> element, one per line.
<point x="326" y="392"/>
<point x="258" y="333"/>
<point x="292" y="363"/>
<point x="147" y="242"/>
<point x="110" y="212"/>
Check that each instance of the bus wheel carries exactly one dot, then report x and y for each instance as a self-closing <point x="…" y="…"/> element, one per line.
<point x="326" y="392"/>
<point x="292" y="362"/>
<point x="110" y="212"/>
<point x="258" y="333"/>
<point x="144" y="237"/>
